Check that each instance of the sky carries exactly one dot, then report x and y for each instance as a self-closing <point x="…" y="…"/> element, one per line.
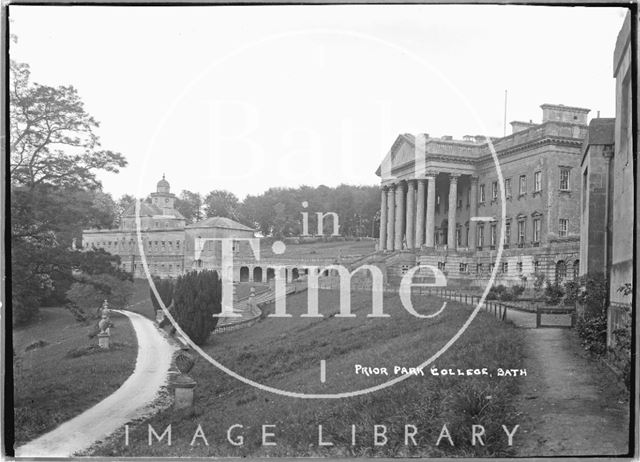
<point x="245" y="98"/>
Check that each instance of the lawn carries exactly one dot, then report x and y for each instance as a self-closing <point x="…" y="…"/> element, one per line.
<point x="336" y="248"/>
<point x="54" y="381"/>
<point x="286" y="353"/>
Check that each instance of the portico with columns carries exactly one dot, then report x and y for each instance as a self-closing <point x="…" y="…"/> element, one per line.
<point x="442" y="202"/>
<point x="427" y="212"/>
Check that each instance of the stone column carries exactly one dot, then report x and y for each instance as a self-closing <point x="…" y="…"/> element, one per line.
<point x="473" y="212"/>
<point x="383" y="219"/>
<point x="420" y="215"/>
<point x="400" y="209"/>
<point x="411" y="211"/>
<point x="431" y="210"/>
<point x="453" y="205"/>
<point x="391" y="216"/>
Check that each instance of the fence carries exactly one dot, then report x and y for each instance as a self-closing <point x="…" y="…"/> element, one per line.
<point x="545" y="316"/>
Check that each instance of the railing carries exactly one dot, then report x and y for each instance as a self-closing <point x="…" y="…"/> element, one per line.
<point x="499" y="309"/>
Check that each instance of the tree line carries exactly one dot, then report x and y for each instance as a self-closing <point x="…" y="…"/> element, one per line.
<point x="55" y="156"/>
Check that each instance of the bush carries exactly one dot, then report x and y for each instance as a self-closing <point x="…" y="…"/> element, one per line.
<point x="516" y="291"/>
<point x="496" y="292"/>
<point x="553" y="293"/>
<point x="197" y="297"/>
<point x="594" y="293"/>
<point x="165" y="288"/>
<point x="592" y="329"/>
<point x="510" y="294"/>
<point x="538" y="281"/>
<point x="572" y="291"/>
<point x="89" y="291"/>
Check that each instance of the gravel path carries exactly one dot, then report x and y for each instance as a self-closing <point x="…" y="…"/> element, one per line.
<point x="131" y="401"/>
<point x="571" y="404"/>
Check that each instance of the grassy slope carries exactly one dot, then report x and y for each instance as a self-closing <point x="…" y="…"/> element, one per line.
<point x="51" y="388"/>
<point x="286" y="353"/>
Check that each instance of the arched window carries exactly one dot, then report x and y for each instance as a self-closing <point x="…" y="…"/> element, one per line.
<point x="561" y="271"/>
<point x="576" y="269"/>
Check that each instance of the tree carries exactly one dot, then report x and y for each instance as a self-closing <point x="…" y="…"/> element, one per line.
<point x="220" y="203"/>
<point x="197" y="297"/>
<point x="89" y="291"/>
<point x="189" y="204"/>
<point x="52" y="136"/>
<point x="165" y="288"/>
<point x="54" y="157"/>
<point x="122" y="205"/>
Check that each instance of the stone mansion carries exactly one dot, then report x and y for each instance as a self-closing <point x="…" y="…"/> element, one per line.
<point x="441" y="202"/>
<point x="167" y="241"/>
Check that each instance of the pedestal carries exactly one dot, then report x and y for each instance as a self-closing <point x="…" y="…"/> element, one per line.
<point x="103" y="340"/>
<point x="183" y="391"/>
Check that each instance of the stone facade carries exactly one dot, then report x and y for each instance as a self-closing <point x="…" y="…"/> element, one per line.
<point x="596" y="197"/>
<point x="167" y="242"/>
<point x="621" y="271"/>
<point x="433" y="187"/>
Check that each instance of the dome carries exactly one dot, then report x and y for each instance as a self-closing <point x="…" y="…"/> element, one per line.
<point x="163" y="185"/>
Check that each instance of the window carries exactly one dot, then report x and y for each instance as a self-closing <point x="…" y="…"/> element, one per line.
<point x="536" y="266"/>
<point x="576" y="270"/>
<point x="479" y="268"/>
<point x="507" y="187"/>
<point x="536" y="230"/>
<point x="561" y="271"/>
<point x="564" y="179"/>
<point x="537" y="182"/>
<point x="464" y="268"/>
<point x="458" y="237"/>
<point x="523" y="185"/>
<point x="492" y="236"/>
<point x="521" y="232"/>
<point x="442" y="266"/>
<point x="459" y="201"/>
<point x="482" y="198"/>
<point x="491" y="267"/>
<point x="177" y="244"/>
<point x="494" y="191"/>
<point x="480" y="236"/>
<point x="467" y="235"/>
<point x="507" y="233"/>
<point x="505" y="267"/>
<point x="563" y="227"/>
<point x="468" y="197"/>
<point x="519" y="266"/>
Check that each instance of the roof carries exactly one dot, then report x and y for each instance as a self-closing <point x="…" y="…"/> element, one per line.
<point x="150" y="210"/>
<point x="565" y="108"/>
<point x="220" y="222"/>
<point x="601" y="131"/>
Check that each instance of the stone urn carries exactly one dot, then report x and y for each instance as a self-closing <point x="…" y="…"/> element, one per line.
<point x="103" y="324"/>
<point x="183" y="385"/>
<point x="184" y="361"/>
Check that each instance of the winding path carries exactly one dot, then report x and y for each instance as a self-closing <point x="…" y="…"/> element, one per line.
<point x="131" y="401"/>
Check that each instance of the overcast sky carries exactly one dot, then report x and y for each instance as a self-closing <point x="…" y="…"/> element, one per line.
<point x="246" y="98"/>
